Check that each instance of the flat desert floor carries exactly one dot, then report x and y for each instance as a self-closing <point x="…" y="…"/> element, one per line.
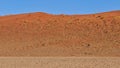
<point x="59" y="62"/>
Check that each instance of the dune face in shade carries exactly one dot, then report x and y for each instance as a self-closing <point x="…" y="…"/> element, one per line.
<point x="42" y="34"/>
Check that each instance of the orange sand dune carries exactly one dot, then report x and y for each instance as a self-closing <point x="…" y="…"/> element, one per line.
<point x="42" y="34"/>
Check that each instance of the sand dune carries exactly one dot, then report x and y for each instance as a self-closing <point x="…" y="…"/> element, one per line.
<point x="42" y="34"/>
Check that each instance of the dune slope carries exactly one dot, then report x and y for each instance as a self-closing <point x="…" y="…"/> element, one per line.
<point x="42" y="34"/>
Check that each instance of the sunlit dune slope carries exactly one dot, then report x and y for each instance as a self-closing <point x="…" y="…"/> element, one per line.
<point x="42" y="34"/>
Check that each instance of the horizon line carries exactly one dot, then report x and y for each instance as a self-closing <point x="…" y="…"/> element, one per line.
<point x="60" y="13"/>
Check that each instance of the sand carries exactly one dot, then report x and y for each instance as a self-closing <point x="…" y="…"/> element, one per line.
<point x="46" y="35"/>
<point x="61" y="62"/>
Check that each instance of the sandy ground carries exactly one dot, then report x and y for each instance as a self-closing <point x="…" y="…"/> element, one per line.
<point x="41" y="34"/>
<point x="59" y="62"/>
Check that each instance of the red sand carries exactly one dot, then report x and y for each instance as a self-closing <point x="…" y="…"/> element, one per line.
<point x="42" y="34"/>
